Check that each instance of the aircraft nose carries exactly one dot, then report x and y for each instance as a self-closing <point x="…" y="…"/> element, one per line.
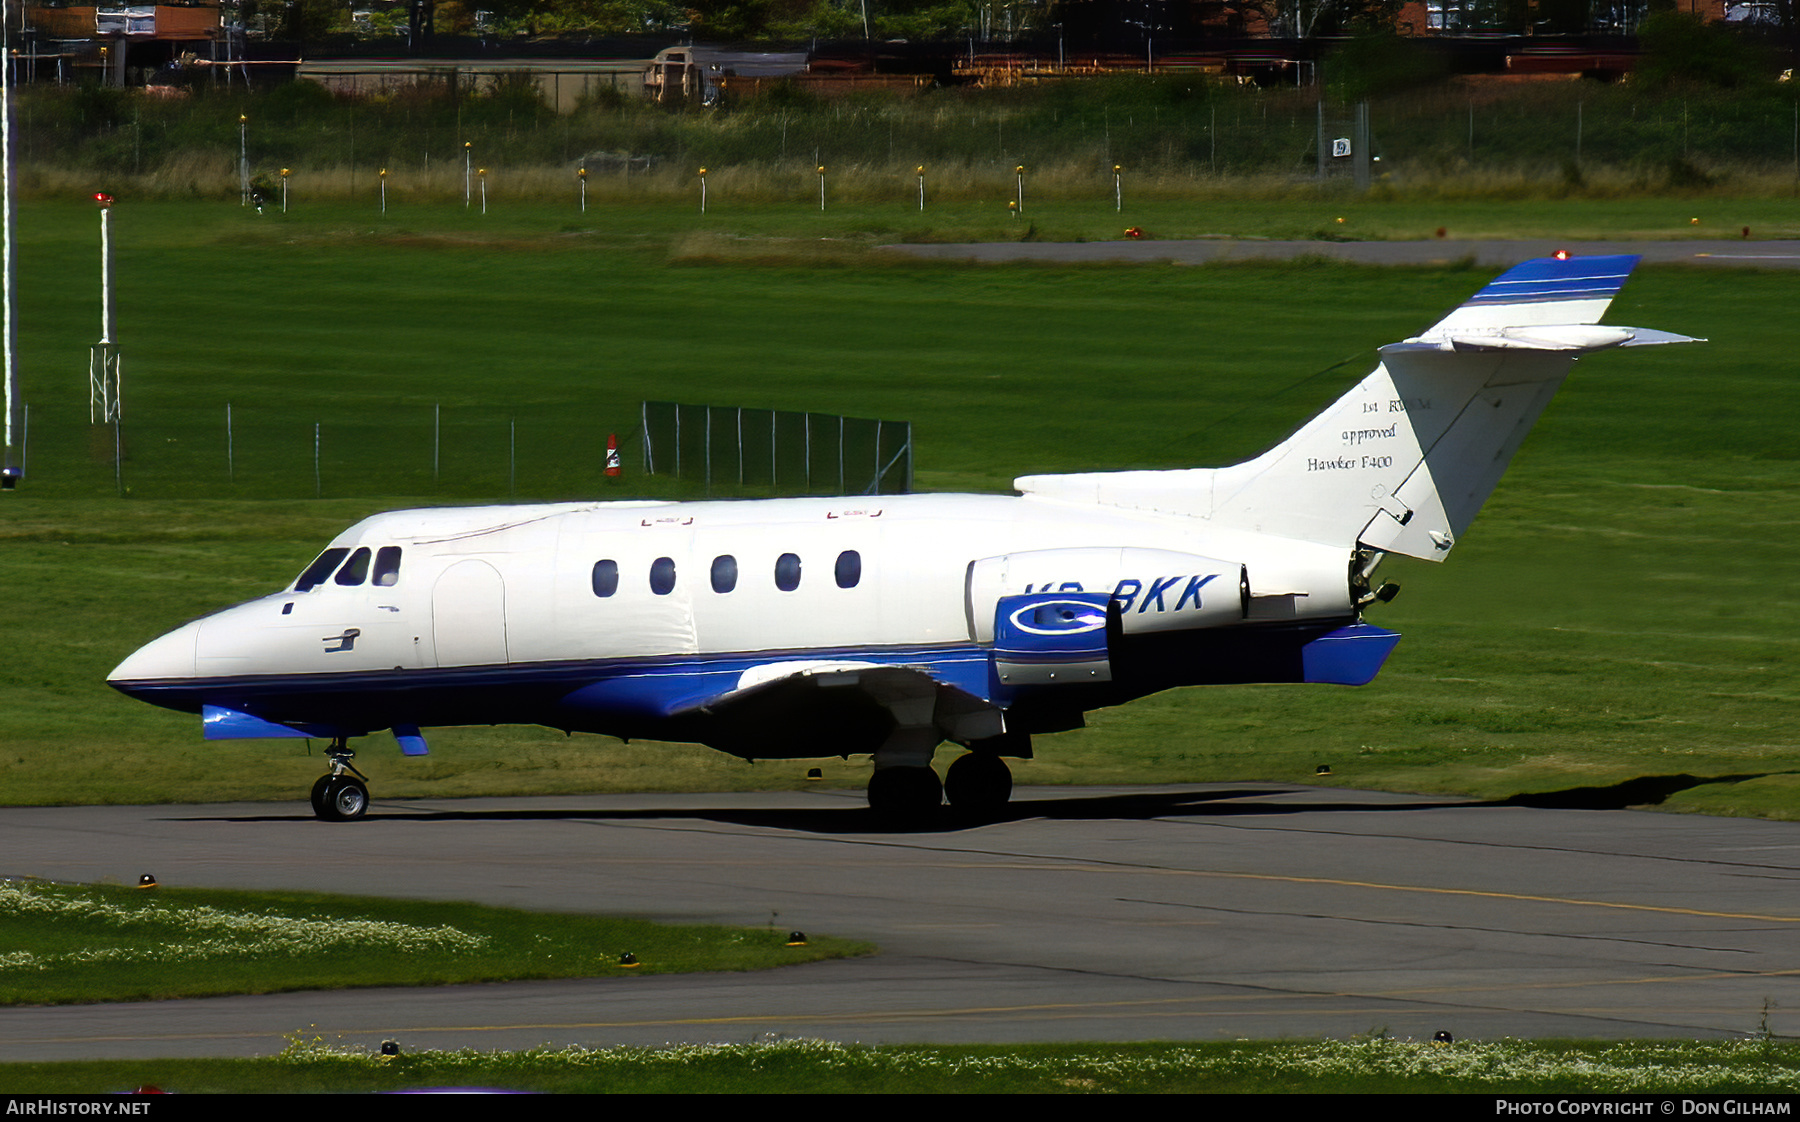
<point x="171" y="656"/>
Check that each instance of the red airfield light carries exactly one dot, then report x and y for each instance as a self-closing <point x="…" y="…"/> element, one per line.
<point x="1562" y="255"/>
<point x="105" y="200"/>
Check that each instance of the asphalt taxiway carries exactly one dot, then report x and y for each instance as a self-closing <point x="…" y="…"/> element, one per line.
<point x="1708" y="252"/>
<point x="1200" y="912"/>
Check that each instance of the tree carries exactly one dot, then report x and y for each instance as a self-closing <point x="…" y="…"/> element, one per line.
<point x="1683" y="49"/>
<point x="312" y="20"/>
<point x="1307" y="19"/>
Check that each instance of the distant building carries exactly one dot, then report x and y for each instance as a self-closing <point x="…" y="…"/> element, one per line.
<point x="697" y="74"/>
<point x="1605" y="17"/>
<point x="562" y="82"/>
<point x="121" y="45"/>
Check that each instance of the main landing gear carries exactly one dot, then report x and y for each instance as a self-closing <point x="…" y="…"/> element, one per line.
<point x="976" y="783"/>
<point x="343" y="795"/>
<point x="904" y="794"/>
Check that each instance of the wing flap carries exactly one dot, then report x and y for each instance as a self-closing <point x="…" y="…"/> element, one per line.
<point x="800" y="710"/>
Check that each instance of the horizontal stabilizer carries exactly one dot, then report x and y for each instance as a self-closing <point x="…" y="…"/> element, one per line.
<point x="1645" y="337"/>
<point x="1567" y="338"/>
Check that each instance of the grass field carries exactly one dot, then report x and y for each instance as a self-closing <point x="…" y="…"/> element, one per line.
<point x="1625" y="610"/>
<point x="67" y="944"/>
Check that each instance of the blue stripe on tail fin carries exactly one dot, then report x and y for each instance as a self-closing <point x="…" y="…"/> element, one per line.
<point x="1548" y="278"/>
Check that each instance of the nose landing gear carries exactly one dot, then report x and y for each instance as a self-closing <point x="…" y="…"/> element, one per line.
<point x="343" y="795"/>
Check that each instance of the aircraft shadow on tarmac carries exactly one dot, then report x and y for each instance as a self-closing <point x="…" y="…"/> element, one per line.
<point x="853" y="818"/>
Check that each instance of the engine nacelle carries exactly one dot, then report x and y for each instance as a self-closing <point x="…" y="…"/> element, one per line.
<point x="1151" y="589"/>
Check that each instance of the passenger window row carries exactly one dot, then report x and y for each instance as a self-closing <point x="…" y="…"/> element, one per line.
<point x="724" y="573"/>
<point x="354" y="571"/>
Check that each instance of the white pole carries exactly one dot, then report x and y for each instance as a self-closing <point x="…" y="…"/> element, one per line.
<point x="243" y="159"/>
<point x="106" y="262"/>
<point x="9" y="474"/>
<point x="104" y="368"/>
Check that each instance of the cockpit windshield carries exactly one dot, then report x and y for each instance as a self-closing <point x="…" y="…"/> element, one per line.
<point x="321" y="568"/>
<point x="354" y="571"/>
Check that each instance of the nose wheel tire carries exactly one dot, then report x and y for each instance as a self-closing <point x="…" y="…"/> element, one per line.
<point x="340" y="798"/>
<point x="318" y="798"/>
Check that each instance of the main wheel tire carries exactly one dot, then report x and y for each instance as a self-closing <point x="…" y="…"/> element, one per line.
<point x="978" y="782"/>
<point x="321" y="808"/>
<point x="346" y="799"/>
<point x="905" y="794"/>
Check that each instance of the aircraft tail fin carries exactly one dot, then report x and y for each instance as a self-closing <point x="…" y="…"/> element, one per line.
<point x="1404" y="461"/>
<point x="1548" y="290"/>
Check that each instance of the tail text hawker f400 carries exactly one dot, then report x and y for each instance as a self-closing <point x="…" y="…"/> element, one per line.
<point x="793" y="628"/>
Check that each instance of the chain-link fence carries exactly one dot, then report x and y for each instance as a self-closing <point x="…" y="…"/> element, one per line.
<point x="431" y="449"/>
<point x="784" y="452"/>
<point x="240" y="451"/>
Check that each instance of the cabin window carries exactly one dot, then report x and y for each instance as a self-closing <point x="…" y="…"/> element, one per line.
<point x="662" y="576"/>
<point x="355" y="570"/>
<point x="387" y="566"/>
<point x="724" y="573"/>
<point x="606" y="578"/>
<point x="321" y="568"/>
<point x="849" y="568"/>
<point x="787" y="572"/>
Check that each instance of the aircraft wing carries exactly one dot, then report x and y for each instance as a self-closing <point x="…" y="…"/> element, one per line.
<point x="817" y="708"/>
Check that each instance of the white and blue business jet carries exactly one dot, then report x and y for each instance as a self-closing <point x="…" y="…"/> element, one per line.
<point x="813" y="627"/>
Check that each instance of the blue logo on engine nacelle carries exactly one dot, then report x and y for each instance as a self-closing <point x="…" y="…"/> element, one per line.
<point x="1058" y="617"/>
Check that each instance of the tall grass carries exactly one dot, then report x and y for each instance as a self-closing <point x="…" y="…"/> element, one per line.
<point x="1374" y="1064"/>
<point x="1175" y="136"/>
